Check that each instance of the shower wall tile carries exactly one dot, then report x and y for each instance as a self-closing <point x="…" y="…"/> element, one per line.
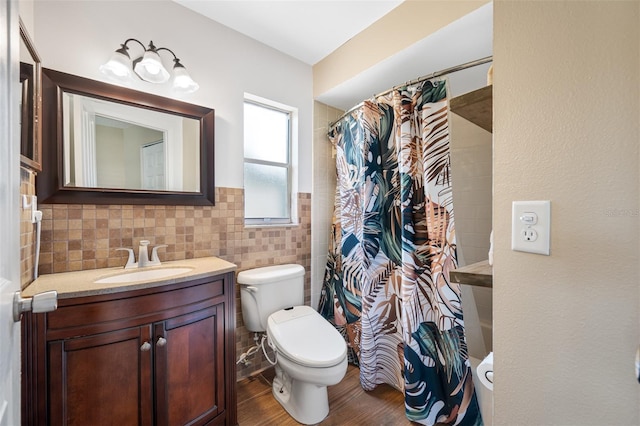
<point x="471" y="164"/>
<point x="324" y="184"/>
<point x="78" y="237"/>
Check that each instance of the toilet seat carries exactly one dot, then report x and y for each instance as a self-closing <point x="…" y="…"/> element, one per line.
<point x="305" y="337"/>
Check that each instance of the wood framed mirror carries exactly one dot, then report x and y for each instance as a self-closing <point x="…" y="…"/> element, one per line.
<point x="30" y="103"/>
<point x="108" y="144"/>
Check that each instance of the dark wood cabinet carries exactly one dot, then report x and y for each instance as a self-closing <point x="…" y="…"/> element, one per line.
<point x="104" y="376"/>
<point x="189" y="366"/>
<point x="160" y="356"/>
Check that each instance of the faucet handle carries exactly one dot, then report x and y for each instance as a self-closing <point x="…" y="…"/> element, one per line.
<point x="131" y="260"/>
<point x="154" y="253"/>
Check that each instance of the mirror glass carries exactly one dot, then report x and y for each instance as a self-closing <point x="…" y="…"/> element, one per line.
<point x="108" y="144"/>
<point x="30" y="79"/>
<point x="118" y="146"/>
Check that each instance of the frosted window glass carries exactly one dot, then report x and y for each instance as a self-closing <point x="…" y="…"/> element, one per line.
<point x="266" y="134"/>
<point x="265" y="191"/>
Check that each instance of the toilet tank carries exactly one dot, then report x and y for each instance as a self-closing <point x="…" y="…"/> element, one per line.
<point x="266" y="290"/>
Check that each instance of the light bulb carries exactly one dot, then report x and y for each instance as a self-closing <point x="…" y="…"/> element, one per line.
<point x="150" y="68"/>
<point x="118" y="67"/>
<point x="182" y="81"/>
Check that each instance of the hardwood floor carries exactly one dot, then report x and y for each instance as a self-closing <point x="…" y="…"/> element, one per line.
<point x="349" y="404"/>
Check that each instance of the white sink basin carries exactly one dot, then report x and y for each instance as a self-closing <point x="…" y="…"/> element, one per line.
<point x="144" y="275"/>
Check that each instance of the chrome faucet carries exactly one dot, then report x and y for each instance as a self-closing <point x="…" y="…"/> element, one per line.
<point x="143" y="256"/>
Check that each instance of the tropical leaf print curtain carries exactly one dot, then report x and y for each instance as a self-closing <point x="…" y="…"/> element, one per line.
<point x="386" y="286"/>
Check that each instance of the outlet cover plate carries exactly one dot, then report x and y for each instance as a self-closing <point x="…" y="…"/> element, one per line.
<point x="542" y="228"/>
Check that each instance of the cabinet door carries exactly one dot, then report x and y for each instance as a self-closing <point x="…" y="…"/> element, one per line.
<point x="103" y="379"/>
<point x="190" y="367"/>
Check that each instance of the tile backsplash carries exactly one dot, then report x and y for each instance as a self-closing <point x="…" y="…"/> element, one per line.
<point x="84" y="236"/>
<point x="27" y="229"/>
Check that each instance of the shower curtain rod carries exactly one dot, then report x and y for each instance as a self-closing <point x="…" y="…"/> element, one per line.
<point x="440" y="73"/>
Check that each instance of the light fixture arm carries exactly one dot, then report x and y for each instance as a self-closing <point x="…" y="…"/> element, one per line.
<point x="153" y="48"/>
<point x="123" y="47"/>
<point x="176" y="60"/>
<point x="133" y="39"/>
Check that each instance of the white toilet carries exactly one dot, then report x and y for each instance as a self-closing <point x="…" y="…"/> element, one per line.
<point x="311" y="353"/>
<point x="483" y="393"/>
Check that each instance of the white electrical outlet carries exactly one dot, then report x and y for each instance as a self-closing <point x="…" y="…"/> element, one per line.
<point x="529" y="234"/>
<point x="531" y="226"/>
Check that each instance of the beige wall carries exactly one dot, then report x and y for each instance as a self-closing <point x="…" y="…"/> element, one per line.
<point x="110" y="152"/>
<point x="405" y="25"/>
<point x="566" y="114"/>
<point x="26" y="15"/>
<point x="190" y="168"/>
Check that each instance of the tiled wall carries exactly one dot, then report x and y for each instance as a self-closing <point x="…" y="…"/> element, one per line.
<point x="472" y="168"/>
<point x="78" y="237"/>
<point x="471" y="163"/>
<point x="27" y="229"/>
<point x="324" y="185"/>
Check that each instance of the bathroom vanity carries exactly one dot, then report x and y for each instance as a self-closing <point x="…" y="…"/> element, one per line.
<point x="155" y="351"/>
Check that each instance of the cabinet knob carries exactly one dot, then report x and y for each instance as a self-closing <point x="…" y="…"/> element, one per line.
<point x="145" y="346"/>
<point x="161" y="341"/>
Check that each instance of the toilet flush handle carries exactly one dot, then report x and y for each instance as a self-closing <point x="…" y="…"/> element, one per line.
<point x="251" y="289"/>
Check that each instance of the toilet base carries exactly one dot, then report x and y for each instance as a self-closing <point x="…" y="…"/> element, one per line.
<point x="305" y="402"/>
<point x="483" y="394"/>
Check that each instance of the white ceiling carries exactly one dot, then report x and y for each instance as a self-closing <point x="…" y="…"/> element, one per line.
<point x="309" y="30"/>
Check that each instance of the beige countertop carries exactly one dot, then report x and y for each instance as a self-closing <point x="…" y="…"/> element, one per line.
<point x="82" y="283"/>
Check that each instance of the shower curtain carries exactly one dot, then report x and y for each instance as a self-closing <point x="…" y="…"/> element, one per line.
<point x="386" y="285"/>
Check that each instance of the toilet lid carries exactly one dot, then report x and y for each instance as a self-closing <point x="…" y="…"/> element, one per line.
<point x="304" y="336"/>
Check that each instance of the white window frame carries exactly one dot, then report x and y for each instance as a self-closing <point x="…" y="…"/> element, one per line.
<point x="290" y="166"/>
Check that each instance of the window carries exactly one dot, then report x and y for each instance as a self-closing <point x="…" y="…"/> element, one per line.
<point x="267" y="163"/>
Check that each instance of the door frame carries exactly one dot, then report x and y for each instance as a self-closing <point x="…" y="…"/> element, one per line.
<point x="9" y="212"/>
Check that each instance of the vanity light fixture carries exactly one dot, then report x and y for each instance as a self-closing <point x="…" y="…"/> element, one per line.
<point x="148" y="67"/>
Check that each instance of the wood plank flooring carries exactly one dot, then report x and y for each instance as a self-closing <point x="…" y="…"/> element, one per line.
<point x="349" y="404"/>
